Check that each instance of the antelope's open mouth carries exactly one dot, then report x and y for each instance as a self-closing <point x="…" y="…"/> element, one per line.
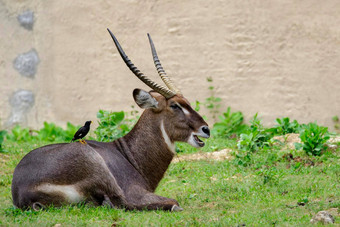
<point x="194" y="139"/>
<point x="198" y="141"/>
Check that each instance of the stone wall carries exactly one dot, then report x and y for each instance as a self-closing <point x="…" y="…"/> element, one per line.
<point x="277" y="58"/>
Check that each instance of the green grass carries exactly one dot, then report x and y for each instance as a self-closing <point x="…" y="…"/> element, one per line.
<point x="212" y="193"/>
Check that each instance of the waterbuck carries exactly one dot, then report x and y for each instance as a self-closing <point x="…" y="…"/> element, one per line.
<point x="120" y="174"/>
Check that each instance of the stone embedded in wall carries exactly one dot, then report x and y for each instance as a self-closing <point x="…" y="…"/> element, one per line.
<point x="26" y="19"/>
<point x="21" y="102"/>
<point x="27" y="63"/>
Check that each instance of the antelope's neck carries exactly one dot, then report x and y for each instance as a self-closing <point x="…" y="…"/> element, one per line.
<point x="149" y="148"/>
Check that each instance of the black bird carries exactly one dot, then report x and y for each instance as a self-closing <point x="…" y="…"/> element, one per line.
<point x="82" y="132"/>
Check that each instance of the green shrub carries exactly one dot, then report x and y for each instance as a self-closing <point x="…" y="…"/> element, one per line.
<point x="50" y="133"/>
<point x="243" y="158"/>
<point x="230" y="123"/>
<point x="212" y="103"/>
<point x="284" y="126"/>
<point x="313" y="138"/>
<point x="270" y="175"/>
<point x="113" y="125"/>
<point x="256" y="136"/>
<point x="19" y="134"/>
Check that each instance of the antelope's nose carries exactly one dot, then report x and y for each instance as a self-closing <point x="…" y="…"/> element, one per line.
<point x="206" y="130"/>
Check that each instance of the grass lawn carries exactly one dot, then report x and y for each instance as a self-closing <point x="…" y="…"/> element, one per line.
<point x="274" y="189"/>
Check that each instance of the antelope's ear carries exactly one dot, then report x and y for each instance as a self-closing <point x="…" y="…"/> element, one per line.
<point x="144" y="100"/>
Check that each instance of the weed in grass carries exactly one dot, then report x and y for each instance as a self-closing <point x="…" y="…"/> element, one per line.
<point x="313" y="138"/>
<point x="243" y="158"/>
<point x="113" y="125"/>
<point x="20" y="134"/>
<point x="49" y="133"/>
<point x="229" y="124"/>
<point x="5" y="180"/>
<point x="256" y="136"/>
<point x="52" y="133"/>
<point x="270" y="175"/>
<point x="285" y="126"/>
<point x="212" y="103"/>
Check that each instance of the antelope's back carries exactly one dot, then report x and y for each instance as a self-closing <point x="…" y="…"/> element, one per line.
<point x="58" y="164"/>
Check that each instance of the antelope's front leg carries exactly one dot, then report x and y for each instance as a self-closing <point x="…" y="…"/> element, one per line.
<point x="152" y="201"/>
<point x="141" y="199"/>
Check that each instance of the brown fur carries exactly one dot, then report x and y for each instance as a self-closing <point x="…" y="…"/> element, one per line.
<point x="122" y="173"/>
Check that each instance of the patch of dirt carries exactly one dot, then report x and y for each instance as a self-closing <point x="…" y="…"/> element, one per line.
<point x="209" y="205"/>
<point x="335" y="139"/>
<point x="289" y="140"/>
<point x="334" y="212"/>
<point x="306" y="161"/>
<point x="216" y="155"/>
<point x="3" y="158"/>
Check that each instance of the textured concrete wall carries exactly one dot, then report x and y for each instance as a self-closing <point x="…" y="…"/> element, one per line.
<point x="278" y="58"/>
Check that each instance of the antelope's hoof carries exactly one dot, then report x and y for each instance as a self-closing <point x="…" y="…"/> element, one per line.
<point x="176" y="208"/>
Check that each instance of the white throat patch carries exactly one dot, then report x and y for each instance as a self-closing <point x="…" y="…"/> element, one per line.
<point x="171" y="146"/>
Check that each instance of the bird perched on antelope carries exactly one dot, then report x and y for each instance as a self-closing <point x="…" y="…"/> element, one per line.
<point x="82" y="132"/>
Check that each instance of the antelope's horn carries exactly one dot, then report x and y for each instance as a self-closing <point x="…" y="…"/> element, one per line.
<point x="167" y="80"/>
<point x="153" y="85"/>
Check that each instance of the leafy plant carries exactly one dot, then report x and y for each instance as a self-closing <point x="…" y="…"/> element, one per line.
<point x="313" y="138"/>
<point x="336" y="122"/>
<point x="113" y="125"/>
<point x="19" y="134"/>
<point x="230" y="123"/>
<point x="50" y="132"/>
<point x="212" y="103"/>
<point x="270" y="175"/>
<point x="2" y="137"/>
<point x="243" y="158"/>
<point x="256" y="136"/>
<point x="285" y="126"/>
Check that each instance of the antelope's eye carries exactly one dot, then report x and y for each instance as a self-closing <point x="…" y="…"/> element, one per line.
<point x="175" y="106"/>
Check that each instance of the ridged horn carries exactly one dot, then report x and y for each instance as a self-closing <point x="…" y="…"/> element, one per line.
<point x="153" y="85"/>
<point x="167" y="80"/>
